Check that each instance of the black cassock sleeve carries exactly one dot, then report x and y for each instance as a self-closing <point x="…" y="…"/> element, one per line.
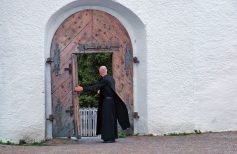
<point x="96" y="86"/>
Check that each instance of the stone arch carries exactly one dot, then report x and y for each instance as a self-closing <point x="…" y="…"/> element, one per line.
<point x="136" y="31"/>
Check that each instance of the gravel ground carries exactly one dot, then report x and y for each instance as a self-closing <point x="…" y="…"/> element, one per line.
<point x="209" y="143"/>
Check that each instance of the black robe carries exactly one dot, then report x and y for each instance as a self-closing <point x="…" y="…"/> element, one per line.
<point x="110" y="109"/>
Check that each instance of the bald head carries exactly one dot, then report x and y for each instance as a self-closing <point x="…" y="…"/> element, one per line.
<point x="103" y="71"/>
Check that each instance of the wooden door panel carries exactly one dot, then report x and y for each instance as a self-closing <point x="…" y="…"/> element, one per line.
<point x="62" y="125"/>
<point x="63" y="90"/>
<point x="112" y="29"/>
<point x="72" y="26"/>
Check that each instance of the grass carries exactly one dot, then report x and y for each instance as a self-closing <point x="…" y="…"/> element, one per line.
<point x="176" y="134"/>
<point x="33" y="144"/>
<point x="183" y="134"/>
<point x="22" y="143"/>
<point x="6" y="143"/>
<point x="122" y="135"/>
<point x="197" y="131"/>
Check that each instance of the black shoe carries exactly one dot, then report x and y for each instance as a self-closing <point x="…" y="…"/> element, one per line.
<point x="108" y="141"/>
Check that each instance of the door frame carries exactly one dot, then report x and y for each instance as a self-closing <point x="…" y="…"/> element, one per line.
<point x="136" y="29"/>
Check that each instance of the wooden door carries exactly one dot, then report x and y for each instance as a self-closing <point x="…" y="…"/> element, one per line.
<point x="62" y="96"/>
<point x="75" y="96"/>
<point x="87" y="31"/>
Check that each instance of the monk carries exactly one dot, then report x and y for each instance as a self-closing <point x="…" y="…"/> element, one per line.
<point x="110" y="109"/>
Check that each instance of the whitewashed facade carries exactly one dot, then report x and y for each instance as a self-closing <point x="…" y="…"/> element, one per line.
<point x="186" y="78"/>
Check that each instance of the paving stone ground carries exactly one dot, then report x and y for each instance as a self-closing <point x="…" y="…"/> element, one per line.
<point x="208" y="143"/>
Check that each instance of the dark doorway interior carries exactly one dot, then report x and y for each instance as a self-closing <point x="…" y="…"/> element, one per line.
<point x="88" y="65"/>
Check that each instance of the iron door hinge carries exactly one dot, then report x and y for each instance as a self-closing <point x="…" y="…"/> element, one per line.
<point x="69" y="69"/>
<point x="135" y="60"/>
<point x="51" y="117"/>
<point x="49" y="60"/>
<point x="135" y="115"/>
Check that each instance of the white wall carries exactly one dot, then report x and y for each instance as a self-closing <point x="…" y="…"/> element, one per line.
<point x="21" y="71"/>
<point x="189" y="63"/>
<point x="192" y="65"/>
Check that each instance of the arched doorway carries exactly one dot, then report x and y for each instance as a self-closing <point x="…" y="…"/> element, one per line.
<point x="87" y="31"/>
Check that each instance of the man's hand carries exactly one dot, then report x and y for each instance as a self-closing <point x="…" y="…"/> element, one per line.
<point x="78" y="88"/>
